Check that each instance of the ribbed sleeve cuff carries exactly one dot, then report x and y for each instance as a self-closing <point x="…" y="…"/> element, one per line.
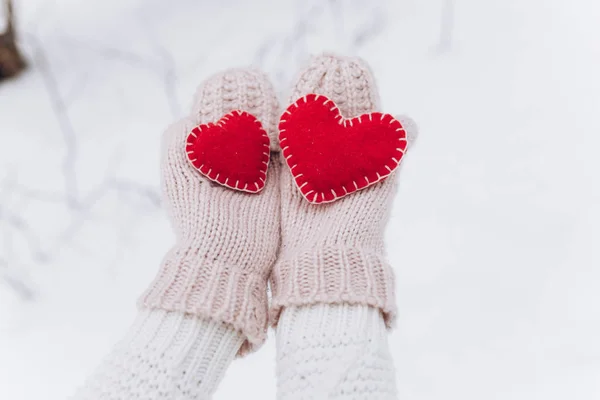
<point x="333" y="275"/>
<point x="214" y="291"/>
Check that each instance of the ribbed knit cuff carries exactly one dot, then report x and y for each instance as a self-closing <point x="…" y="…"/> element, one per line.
<point x="214" y="291"/>
<point x="333" y="275"/>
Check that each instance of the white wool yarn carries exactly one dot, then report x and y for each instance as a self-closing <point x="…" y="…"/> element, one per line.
<point x="336" y="351"/>
<point x="165" y="355"/>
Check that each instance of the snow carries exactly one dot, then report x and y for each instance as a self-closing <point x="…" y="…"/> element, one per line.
<point x="494" y="233"/>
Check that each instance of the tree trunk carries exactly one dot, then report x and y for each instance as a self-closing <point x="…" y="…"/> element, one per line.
<point x="11" y="59"/>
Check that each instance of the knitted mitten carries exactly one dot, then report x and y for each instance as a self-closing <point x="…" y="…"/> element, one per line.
<point x="227" y="240"/>
<point x="209" y="299"/>
<point x="332" y="282"/>
<point x="334" y="253"/>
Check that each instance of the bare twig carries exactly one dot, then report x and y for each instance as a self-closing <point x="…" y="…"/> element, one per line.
<point x="65" y="124"/>
<point x="10" y="26"/>
<point x="78" y="205"/>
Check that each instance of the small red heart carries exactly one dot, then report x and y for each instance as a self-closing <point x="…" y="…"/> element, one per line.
<point x="233" y="152"/>
<point x="331" y="156"/>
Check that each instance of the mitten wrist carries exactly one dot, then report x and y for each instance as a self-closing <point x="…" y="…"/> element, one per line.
<point x="189" y="282"/>
<point x="333" y="275"/>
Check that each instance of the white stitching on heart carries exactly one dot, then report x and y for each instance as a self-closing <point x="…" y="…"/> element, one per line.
<point x="342" y="121"/>
<point x="198" y="129"/>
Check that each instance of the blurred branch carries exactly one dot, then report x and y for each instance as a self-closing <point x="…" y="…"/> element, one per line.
<point x="9" y="18"/>
<point x="11" y="59"/>
<point x="21" y="244"/>
<point x="18" y="284"/>
<point x="446" y="27"/>
<point x="65" y="124"/>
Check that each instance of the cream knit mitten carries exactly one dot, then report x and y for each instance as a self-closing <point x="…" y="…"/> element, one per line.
<point x="227" y="240"/>
<point x="333" y="290"/>
<point x="209" y="299"/>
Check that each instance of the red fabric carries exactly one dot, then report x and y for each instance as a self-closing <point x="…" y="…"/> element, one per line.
<point x="233" y="152"/>
<point x="331" y="156"/>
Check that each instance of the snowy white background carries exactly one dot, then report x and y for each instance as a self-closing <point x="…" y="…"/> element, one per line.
<point x="494" y="234"/>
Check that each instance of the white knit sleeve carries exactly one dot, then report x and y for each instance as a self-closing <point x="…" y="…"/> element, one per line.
<point x="334" y="352"/>
<point x="165" y="355"/>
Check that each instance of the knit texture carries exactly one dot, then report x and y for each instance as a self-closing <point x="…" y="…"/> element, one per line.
<point x="166" y="355"/>
<point x="334" y="352"/>
<point x="226" y="240"/>
<point x="334" y="253"/>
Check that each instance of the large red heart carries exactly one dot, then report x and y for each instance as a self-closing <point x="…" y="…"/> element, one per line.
<point x="331" y="156"/>
<point x="233" y="152"/>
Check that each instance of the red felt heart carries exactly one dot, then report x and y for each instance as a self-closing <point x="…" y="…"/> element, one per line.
<point x="233" y="152"/>
<point x="331" y="156"/>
